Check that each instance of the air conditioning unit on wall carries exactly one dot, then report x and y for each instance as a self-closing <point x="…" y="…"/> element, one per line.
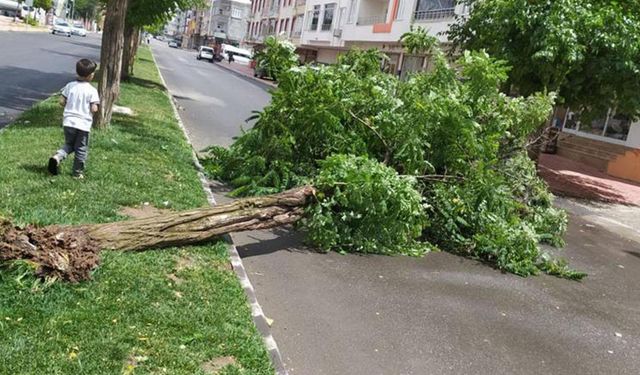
<point x="337" y="33"/>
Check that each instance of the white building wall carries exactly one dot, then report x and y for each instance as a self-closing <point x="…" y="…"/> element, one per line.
<point x="327" y="56"/>
<point x="633" y="139"/>
<point x="354" y="20"/>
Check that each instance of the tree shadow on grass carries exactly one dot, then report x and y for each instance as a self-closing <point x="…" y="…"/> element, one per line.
<point x="144" y="132"/>
<point x="145" y="83"/>
<point x="38" y="169"/>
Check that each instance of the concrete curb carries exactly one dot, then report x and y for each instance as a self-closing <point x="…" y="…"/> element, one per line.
<point x="257" y="81"/>
<point x="259" y="318"/>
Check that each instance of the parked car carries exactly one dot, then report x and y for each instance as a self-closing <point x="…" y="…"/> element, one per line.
<point x="240" y="56"/>
<point x="61" y="27"/>
<point x="205" y="53"/>
<point x="173" y="44"/>
<point x="26" y="11"/>
<point x="78" y="29"/>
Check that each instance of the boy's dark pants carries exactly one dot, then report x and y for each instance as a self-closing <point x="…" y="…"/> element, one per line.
<point x="77" y="141"/>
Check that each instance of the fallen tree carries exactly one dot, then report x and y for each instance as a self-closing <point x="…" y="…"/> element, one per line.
<point x="397" y="167"/>
<point x="72" y="252"/>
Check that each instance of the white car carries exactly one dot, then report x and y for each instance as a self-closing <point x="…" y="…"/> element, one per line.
<point x="205" y="53"/>
<point x="78" y="30"/>
<point x="239" y="55"/>
<point x="61" y="27"/>
<point x="173" y="44"/>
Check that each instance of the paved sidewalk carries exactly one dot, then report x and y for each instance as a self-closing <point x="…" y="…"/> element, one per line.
<point x="7" y="24"/>
<point x="569" y="178"/>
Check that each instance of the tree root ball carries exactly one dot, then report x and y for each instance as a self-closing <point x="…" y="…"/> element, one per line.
<point x="63" y="252"/>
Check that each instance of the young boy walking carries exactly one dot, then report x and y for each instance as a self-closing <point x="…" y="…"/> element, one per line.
<point x="80" y="101"/>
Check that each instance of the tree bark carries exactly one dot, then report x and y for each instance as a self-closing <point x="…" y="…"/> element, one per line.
<point x="72" y="252"/>
<point x="111" y="59"/>
<point x="131" y="38"/>
<point x="203" y="224"/>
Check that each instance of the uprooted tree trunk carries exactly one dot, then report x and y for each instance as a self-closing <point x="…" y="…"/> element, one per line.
<point x="72" y="252"/>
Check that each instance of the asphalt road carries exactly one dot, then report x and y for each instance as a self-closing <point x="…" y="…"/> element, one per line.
<point x="212" y="102"/>
<point x="35" y="65"/>
<point x="441" y="314"/>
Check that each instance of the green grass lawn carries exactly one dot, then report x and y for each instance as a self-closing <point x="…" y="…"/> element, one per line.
<point x="158" y="312"/>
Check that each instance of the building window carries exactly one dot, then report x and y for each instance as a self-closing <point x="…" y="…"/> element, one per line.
<point x="236" y="12"/>
<point x="434" y="9"/>
<point x="352" y="11"/>
<point x="327" y="19"/>
<point x="314" y="16"/>
<point x="613" y="125"/>
<point x="400" y="13"/>
<point x="286" y="26"/>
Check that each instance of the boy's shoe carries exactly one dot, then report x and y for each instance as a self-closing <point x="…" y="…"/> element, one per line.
<point x="78" y="176"/>
<point x="54" y="166"/>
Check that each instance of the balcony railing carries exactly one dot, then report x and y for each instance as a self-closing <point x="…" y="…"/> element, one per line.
<point x="430" y="15"/>
<point x="371" y="20"/>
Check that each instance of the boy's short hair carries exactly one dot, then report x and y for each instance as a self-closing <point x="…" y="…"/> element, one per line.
<point x="85" y="67"/>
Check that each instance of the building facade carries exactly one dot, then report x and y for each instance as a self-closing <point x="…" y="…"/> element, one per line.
<point x="334" y="26"/>
<point x="284" y="18"/>
<point x="220" y="21"/>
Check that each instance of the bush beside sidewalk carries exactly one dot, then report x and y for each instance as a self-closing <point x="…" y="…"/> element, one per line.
<point x="176" y="311"/>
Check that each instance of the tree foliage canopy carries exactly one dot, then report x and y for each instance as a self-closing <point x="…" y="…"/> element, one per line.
<point x="88" y="9"/>
<point x="586" y="50"/>
<point x="43" y="4"/>
<point x="437" y="161"/>
<point x="151" y="12"/>
<point x="276" y="57"/>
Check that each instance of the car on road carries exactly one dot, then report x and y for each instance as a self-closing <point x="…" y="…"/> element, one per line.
<point x="61" y="27"/>
<point x="240" y="56"/>
<point x="205" y="53"/>
<point x="78" y="29"/>
<point x="173" y="44"/>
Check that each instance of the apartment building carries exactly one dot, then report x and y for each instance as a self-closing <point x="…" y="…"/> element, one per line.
<point x="220" y="21"/>
<point x="278" y="17"/>
<point x="334" y="26"/>
<point x="227" y="20"/>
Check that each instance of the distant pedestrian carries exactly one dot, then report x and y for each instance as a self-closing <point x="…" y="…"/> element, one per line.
<point x="80" y="101"/>
<point x="231" y="59"/>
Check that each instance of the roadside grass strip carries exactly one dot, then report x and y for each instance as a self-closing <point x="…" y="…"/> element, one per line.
<point x="170" y="311"/>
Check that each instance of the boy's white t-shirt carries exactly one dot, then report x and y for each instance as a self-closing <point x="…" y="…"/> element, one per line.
<point x="77" y="113"/>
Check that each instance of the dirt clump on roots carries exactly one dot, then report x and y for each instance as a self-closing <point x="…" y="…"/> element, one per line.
<point x="62" y="252"/>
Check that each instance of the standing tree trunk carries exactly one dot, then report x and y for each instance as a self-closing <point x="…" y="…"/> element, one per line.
<point x="131" y="39"/>
<point x="111" y="59"/>
<point x="72" y="252"/>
